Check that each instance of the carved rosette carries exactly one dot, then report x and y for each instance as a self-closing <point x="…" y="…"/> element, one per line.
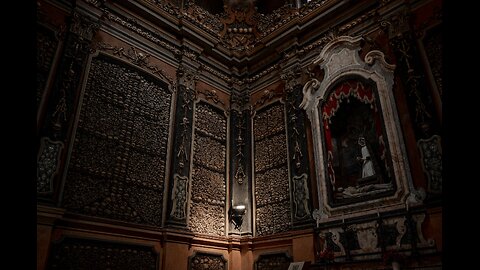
<point x="47" y="164"/>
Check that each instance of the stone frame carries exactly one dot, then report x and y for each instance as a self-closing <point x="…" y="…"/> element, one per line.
<point x="340" y="59"/>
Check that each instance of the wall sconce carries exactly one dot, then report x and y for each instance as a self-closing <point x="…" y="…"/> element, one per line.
<point x="236" y="215"/>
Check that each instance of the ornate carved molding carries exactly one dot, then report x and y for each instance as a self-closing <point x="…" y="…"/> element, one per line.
<point x="138" y="58"/>
<point x="267" y="96"/>
<point x="210" y="95"/>
<point x="204" y="19"/>
<point x="221" y="75"/>
<point x="149" y="35"/>
<point x="166" y="6"/>
<point x="271" y="22"/>
<point x="357" y="21"/>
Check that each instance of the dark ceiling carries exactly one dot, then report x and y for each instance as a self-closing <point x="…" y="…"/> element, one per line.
<point x="263" y="6"/>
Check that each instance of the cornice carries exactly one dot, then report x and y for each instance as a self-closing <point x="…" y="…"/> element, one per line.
<point x="194" y="37"/>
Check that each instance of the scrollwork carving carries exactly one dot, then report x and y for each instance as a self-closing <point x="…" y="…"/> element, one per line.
<point x="210" y="95"/>
<point x="179" y="197"/>
<point x="47" y="164"/>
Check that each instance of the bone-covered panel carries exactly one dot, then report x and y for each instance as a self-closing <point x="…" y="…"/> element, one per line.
<point x="272" y="195"/>
<point x="117" y="165"/>
<point x="207" y="208"/>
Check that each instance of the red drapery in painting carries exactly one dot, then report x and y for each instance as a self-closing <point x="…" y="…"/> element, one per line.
<point x="365" y="94"/>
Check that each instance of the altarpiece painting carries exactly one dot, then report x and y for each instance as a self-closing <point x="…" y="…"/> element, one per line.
<point x="358" y="163"/>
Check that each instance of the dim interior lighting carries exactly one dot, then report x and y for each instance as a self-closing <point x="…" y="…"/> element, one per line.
<point x="236" y="215"/>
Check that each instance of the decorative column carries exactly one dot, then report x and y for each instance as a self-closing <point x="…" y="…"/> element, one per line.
<point x="55" y="128"/>
<point x="181" y="155"/>
<point x="240" y="162"/>
<point x="297" y="149"/>
<point x="420" y="102"/>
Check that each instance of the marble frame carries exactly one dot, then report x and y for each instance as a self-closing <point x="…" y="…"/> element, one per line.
<point x="340" y="59"/>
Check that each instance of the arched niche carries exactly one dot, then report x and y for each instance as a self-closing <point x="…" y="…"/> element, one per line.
<point x="359" y="152"/>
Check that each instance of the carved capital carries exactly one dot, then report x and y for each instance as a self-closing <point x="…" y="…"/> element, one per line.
<point x="187" y="77"/>
<point x="292" y="78"/>
<point x="83" y="26"/>
<point x="238" y="102"/>
<point x="397" y="24"/>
